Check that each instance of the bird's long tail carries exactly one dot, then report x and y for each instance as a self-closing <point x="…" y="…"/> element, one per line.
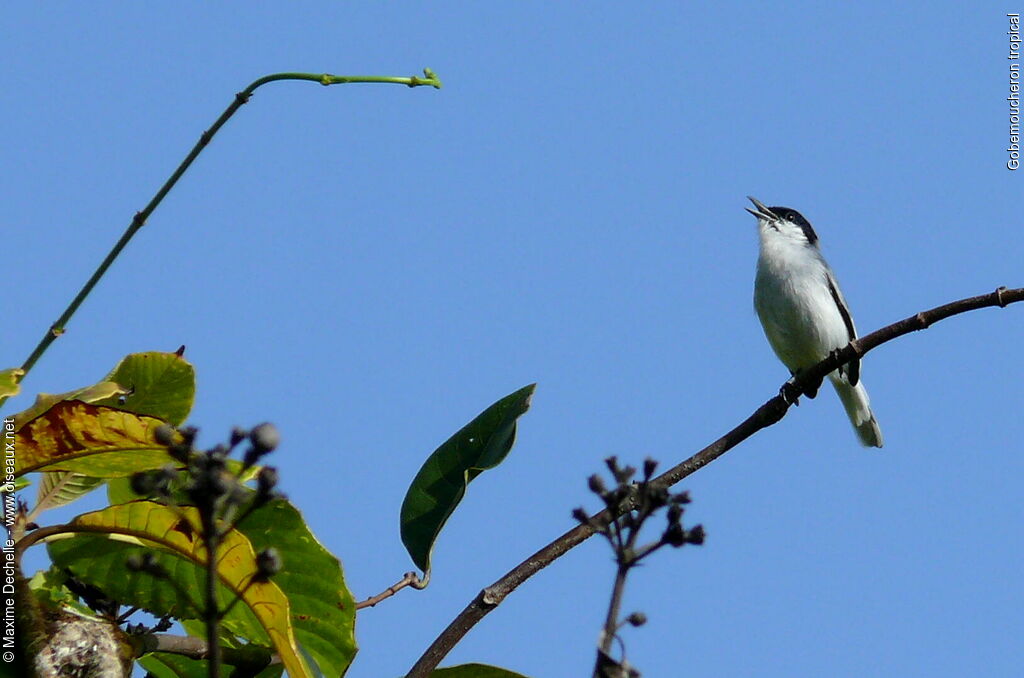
<point x="858" y="409"/>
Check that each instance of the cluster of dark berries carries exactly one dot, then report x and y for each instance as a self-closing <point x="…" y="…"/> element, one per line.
<point x="206" y="480"/>
<point x="629" y="504"/>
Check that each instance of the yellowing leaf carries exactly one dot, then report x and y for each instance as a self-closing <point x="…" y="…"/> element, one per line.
<point x="96" y="441"/>
<point x="89" y="394"/>
<point x="9" y="382"/>
<point x="178" y="532"/>
<point x="59" y="487"/>
<point x="154" y="384"/>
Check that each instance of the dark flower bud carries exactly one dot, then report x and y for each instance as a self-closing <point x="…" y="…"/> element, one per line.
<point x="596" y="484"/>
<point x="649" y="466"/>
<point x="180" y="452"/>
<point x="216" y="459"/>
<point x="161" y="479"/>
<point x="143" y="483"/>
<point x="238" y="434"/>
<point x="167" y="473"/>
<point x="238" y="495"/>
<point x="675" y="513"/>
<point x="624" y="474"/>
<point x="681" y="498"/>
<point x="265" y="438"/>
<point x="696" y="535"/>
<point x="268" y="563"/>
<point x="189" y="434"/>
<point x="250" y="458"/>
<point x="617" y="496"/>
<point x="209" y="484"/>
<point x="266" y="481"/>
<point x="164" y="435"/>
<point x="658" y="496"/>
<point x="612" y="463"/>
<point x="636" y="619"/>
<point x="220" y="483"/>
<point x="580" y="515"/>
<point x="674" y="535"/>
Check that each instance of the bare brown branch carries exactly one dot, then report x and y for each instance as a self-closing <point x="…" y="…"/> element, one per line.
<point x="766" y="415"/>
<point x="408" y="579"/>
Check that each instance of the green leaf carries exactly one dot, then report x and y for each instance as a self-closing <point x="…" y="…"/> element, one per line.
<point x="9" y="382"/>
<point x="168" y="665"/>
<point x="441" y="483"/>
<point x="323" y="611"/>
<point x="97" y="545"/>
<point x="474" y="671"/>
<point x="161" y="385"/>
<point x="48" y="588"/>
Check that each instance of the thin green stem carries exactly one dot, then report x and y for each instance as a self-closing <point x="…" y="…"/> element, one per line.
<point x="138" y="221"/>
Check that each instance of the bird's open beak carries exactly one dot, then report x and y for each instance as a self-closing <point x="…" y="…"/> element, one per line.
<point x="762" y="211"/>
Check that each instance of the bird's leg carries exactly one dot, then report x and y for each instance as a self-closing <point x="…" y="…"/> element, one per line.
<point x="789" y="392"/>
<point x="850" y="371"/>
<point x="812" y="389"/>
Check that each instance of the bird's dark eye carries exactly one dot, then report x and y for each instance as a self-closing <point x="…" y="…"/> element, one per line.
<point x="791" y="216"/>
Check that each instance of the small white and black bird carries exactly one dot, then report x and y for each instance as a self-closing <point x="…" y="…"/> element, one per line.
<point x="804" y="315"/>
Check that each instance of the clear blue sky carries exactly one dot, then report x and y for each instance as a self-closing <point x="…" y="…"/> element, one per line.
<point x="370" y="266"/>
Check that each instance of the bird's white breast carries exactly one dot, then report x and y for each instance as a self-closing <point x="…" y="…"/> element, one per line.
<point x="794" y="303"/>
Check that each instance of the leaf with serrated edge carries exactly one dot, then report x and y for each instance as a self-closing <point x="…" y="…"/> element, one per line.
<point x="441" y="482"/>
<point x="157" y="527"/>
<point x="101" y="442"/>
